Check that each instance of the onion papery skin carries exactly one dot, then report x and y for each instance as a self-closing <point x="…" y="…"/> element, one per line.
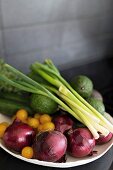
<point x="49" y="146"/>
<point x="18" y="135"/>
<point x="80" y="142"/>
<point x="104" y="139"/>
<point x="63" y="123"/>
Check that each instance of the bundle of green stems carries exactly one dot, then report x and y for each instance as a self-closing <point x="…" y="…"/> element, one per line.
<point x="62" y="93"/>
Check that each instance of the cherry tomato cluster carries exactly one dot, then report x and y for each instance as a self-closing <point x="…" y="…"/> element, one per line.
<point x="39" y="122"/>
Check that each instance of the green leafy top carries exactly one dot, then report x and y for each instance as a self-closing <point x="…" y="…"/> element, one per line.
<point x="4" y="86"/>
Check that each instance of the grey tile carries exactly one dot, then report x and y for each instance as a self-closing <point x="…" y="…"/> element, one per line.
<point x="17" y="13"/>
<point x="79" y="53"/>
<point x="106" y="25"/>
<point x="30" y="12"/>
<point x="87" y="8"/>
<point x="0" y="22"/>
<point x="26" y="39"/>
<point x="64" y="56"/>
<point x="45" y="36"/>
<point x="0" y="16"/>
<point x="22" y="61"/>
<point x="82" y="30"/>
<point x="1" y="45"/>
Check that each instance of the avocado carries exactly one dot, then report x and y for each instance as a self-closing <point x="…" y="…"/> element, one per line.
<point x="97" y="104"/>
<point x="43" y="104"/>
<point x="97" y="95"/>
<point x="83" y="85"/>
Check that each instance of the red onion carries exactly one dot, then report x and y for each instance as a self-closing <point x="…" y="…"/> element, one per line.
<point x="104" y="139"/>
<point x="62" y="123"/>
<point x="18" y="135"/>
<point x="49" y="146"/>
<point x="80" y="142"/>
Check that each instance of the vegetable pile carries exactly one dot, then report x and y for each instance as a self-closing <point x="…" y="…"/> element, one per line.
<point x="54" y="133"/>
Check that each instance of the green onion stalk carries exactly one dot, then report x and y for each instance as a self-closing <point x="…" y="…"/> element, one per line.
<point x="62" y="93"/>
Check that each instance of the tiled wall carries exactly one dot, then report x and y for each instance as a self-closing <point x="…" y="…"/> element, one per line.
<point x="68" y="31"/>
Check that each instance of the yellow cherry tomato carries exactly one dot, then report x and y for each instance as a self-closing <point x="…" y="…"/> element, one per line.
<point x="5" y="123"/>
<point x="27" y="152"/>
<point x="40" y="127"/>
<point x="37" y="115"/>
<point x="48" y="126"/>
<point x="22" y="114"/>
<point x="33" y="122"/>
<point x="3" y="127"/>
<point x="45" y="118"/>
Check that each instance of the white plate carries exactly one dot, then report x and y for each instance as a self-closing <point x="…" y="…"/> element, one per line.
<point x="71" y="161"/>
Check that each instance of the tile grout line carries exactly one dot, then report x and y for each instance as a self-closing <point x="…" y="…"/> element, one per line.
<point x="40" y="23"/>
<point x="71" y="43"/>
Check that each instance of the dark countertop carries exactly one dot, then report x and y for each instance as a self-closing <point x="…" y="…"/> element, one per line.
<point x="101" y="73"/>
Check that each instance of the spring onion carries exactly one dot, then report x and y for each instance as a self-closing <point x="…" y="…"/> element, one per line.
<point x="61" y="92"/>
